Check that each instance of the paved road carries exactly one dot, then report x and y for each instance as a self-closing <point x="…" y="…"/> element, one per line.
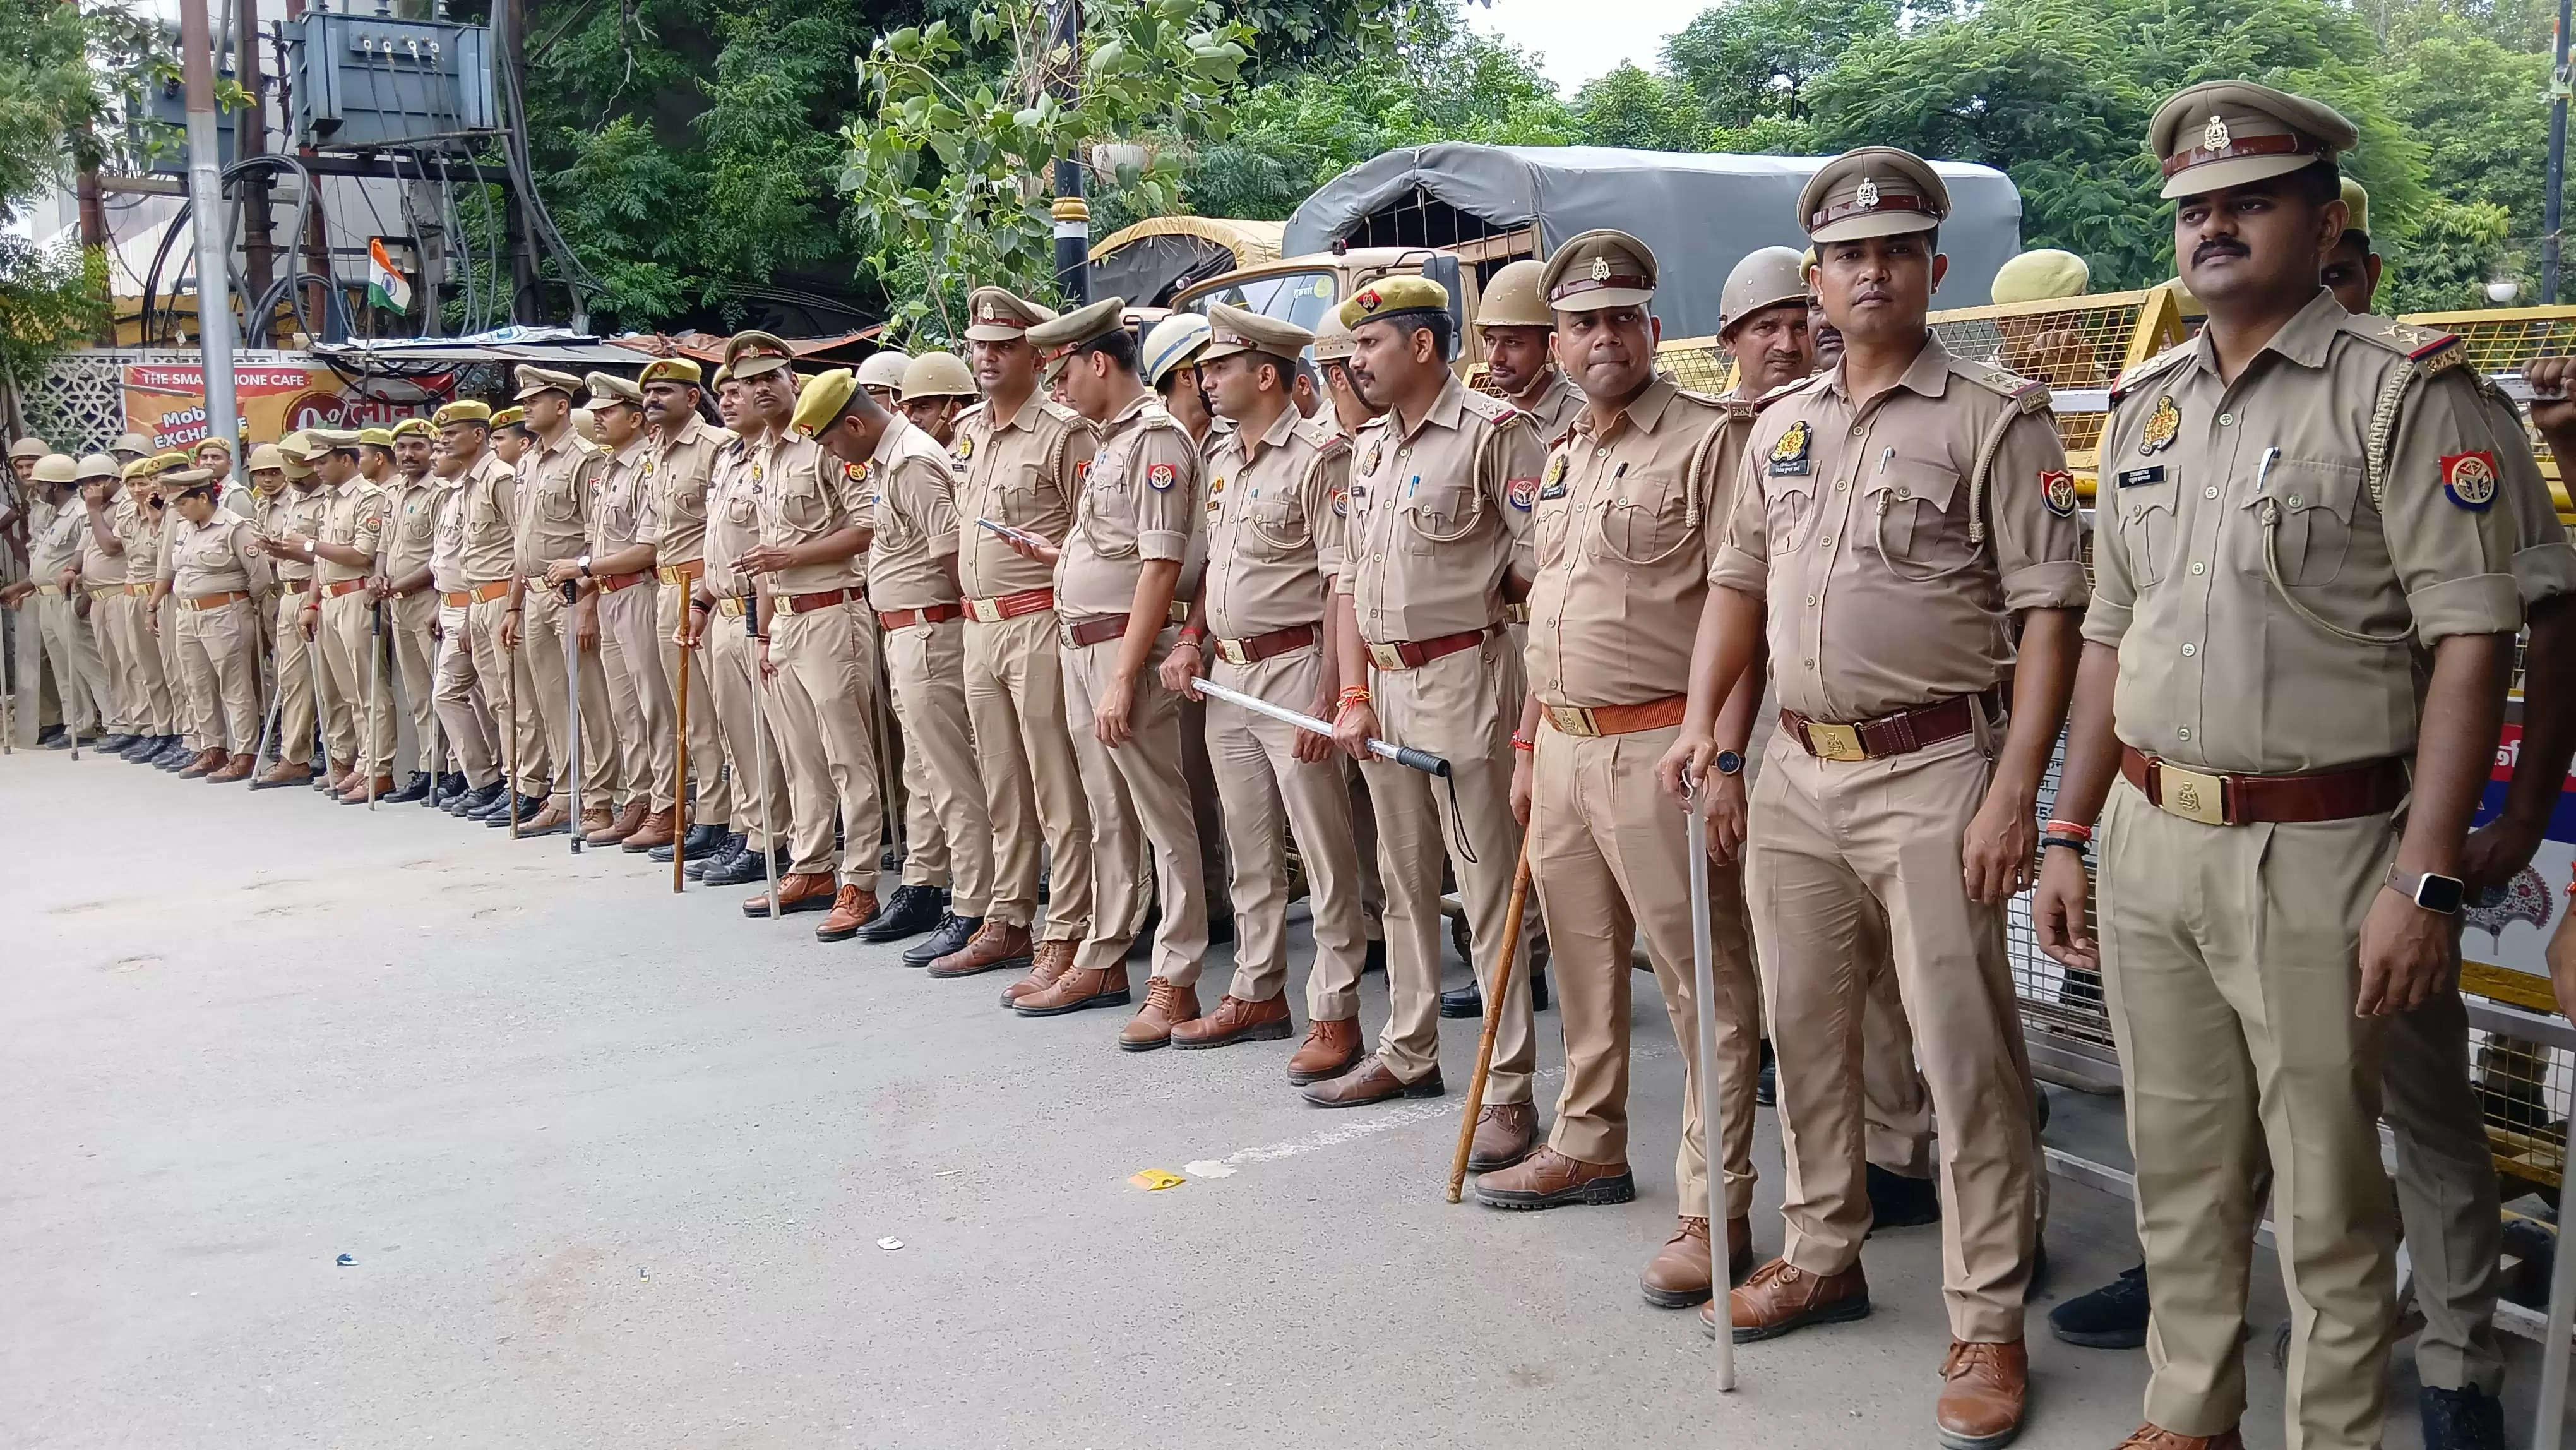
<point x="614" y="1166"/>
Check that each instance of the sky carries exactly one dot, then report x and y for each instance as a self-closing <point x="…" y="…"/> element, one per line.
<point x="1571" y="39"/>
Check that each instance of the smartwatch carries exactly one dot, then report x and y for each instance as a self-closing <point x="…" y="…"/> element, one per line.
<point x="2441" y="895"/>
<point x="1729" y="762"/>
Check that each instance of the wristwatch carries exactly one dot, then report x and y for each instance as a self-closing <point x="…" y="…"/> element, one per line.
<point x="2438" y="894"/>
<point x="1729" y="762"/>
<point x="583" y="564"/>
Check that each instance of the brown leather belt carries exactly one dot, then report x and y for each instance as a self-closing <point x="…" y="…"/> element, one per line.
<point x="1897" y="734"/>
<point x="1413" y="654"/>
<point x="1080" y="633"/>
<point x="1009" y="606"/>
<point x="1253" y="649"/>
<point x="686" y="573"/>
<point x="213" y="601"/>
<point x="343" y="588"/>
<point x="931" y="614"/>
<point x="2217" y="799"/>
<point x="611" y="583"/>
<point x="476" y="594"/>
<point x="294" y="586"/>
<point x="794" y="604"/>
<point x="1598" y="720"/>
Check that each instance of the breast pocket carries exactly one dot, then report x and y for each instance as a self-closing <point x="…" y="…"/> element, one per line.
<point x="1552" y="528"/>
<point x="2307" y="507"/>
<point x="1910" y="510"/>
<point x="1438" y="513"/>
<point x="1788" y="512"/>
<point x="803" y="507"/>
<point x="742" y="510"/>
<point x="559" y="503"/>
<point x="2148" y="529"/>
<point x="689" y="503"/>
<point x="1279" y="522"/>
<point x="1646" y="519"/>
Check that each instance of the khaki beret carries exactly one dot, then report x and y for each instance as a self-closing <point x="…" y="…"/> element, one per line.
<point x="138" y="470"/>
<point x="1333" y="341"/>
<point x="884" y="368"/>
<point x="2043" y="275"/>
<point x="2229" y="133"/>
<point x="130" y="443"/>
<point x="2356" y="200"/>
<point x="511" y="418"/>
<point x="30" y="446"/>
<point x="1173" y="343"/>
<point x="463" y="410"/>
<point x="380" y="437"/>
<point x="414" y="428"/>
<point x="57" y="468"/>
<point x="937" y="375"/>
<point x="995" y="314"/>
<point x="97" y="465"/>
<point x="1874" y="191"/>
<point x="1767" y="277"/>
<point x="821" y="400"/>
<point x="1514" y="297"/>
<point x="266" y="457"/>
<point x="1232" y="330"/>
<point x="1083" y="324"/>
<point x="723" y="376"/>
<point x="173" y="458"/>
<point x="672" y="370"/>
<point x="1599" y="269"/>
<point x="751" y="354"/>
<point x="212" y="440"/>
<point x="608" y="388"/>
<point x="1390" y="297"/>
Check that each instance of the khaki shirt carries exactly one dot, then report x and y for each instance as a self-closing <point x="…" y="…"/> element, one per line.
<point x="916" y="520"/>
<point x="1025" y="470"/>
<point x="805" y="494"/>
<point x="1276" y="516"/>
<point x="356" y="520"/>
<point x="677" y="471"/>
<point x="617" y="515"/>
<point x="733" y="518"/>
<point x="300" y="511"/>
<point x="1852" y="518"/>
<point x="484" y="516"/>
<point x="2544" y="564"/>
<point x="447" y="551"/>
<point x="56" y="544"/>
<point x="219" y="556"/>
<point x="2217" y="668"/>
<point x="1439" y="515"/>
<point x="1555" y="406"/>
<point x="555" y="502"/>
<point x="1139" y="502"/>
<point x="100" y="568"/>
<point x="412" y="535"/>
<point x="1628" y="520"/>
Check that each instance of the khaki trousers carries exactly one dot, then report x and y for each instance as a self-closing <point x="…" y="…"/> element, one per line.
<point x="819" y="703"/>
<point x="639" y="693"/>
<point x="713" y="802"/>
<point x="159" y="708"/>
<point x="1033" y="788"/>
<point x="510" y="685"/>
<point x="2446" y="1194"/>
<point x="2230" y="956"/>
<point x="1265" y="792"/>
<point x="219" y="649"/>
<point x="109" y="617"/>
<point x="412" y="618"/>
<point x="80" y="677"/>
<point x="948" y="836"/>
<point x="164" y="654"/>
<point x="1140" y="804"/>
<point x="1461" y="707"/>
<point x="548" y="623"/>
<point x="1206" y="808"/>
<point x="760" y="808"/>
<point x="339" y="731"/>
<point x="291" y="664"/>
<point x="466" y="698"/>
<point x="357" y="676"/>
<point x="1610" y="858"/>
<point x="1836" y="847"/>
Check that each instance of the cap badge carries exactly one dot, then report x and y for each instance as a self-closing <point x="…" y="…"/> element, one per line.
<point x="1867" y="196"/>
<point x="2215" y="135"/>
<point x="1601" y="269"/>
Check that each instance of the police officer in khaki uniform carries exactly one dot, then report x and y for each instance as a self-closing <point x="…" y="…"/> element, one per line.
<point x="1519" y="330"/>
<point x="215" y="570"/>
<point x="137" y="521"/>
<point x="487" y="509"/>
<point x="1024" y="457"/>
<point x="813" y="650"/>
<point x="1441" y="488"/>
<point x="618" y="563"/>
<point x="463" y="699"/>
<point x="53" y="578"/>
<point x="115" y="616"/>
<point x="558" y="478"/>
<point x="344" y="555"/>
<point x="1117" y="573"/>
<point x="297" y="513"/>
<point x="679" y="462"/>
<point x="719" y="620"/>
<point x="937" y="388"/>
<point x="1899" y="518"/>
<point x="1276" y="511"/>
<point x="406" y="590"/>
<point x="2303" y="583"/>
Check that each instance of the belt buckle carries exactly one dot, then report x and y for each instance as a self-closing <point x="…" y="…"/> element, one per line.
<point x="1835" y="742"/>
<point x="1385" y="656"/>
<point x="984" y="611"/>
<point x="1572" y="720"/>
<point x="2191" y="794"/>
<point x="1232" y="652"/>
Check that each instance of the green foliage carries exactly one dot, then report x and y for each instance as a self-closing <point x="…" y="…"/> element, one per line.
<point x="50" y="300"/>
<point x="66" y="75"/>
<point x="2454" y="250"/>
<point x="1751" y="61"/>
<point x="1638" y="108"/>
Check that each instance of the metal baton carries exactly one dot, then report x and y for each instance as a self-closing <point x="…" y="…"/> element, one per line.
<point x="760" y="737"/>
<point x="1404" y="755"/>
<point x="2547" y="1434"/>
<point x="572" y="704"/>
<point x="375" y="693"/>
<point x="1704" y="976"/>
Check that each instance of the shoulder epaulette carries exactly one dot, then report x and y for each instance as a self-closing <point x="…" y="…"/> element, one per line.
<point x="2028" y="394"/>
<point x="974" y="409"/>
<point x="1376" y="424"/>
<point x="2418" y="344"/>
<point x="1789" y="389"/>
<point x="1695" y="395"/>
<point x="1061" y="413"/>
<point x="1322" y="432"/>
<point x="1491" y="408"/>
<point x="2153" y="366"/>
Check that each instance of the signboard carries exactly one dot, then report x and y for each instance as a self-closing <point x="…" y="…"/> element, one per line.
<point x="2512" y="929"/>
<point x="167" y="402"/>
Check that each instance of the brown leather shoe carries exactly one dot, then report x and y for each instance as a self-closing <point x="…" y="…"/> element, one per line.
<point x="356" y="795"/>
<point x="1678" y="1276"/>
<point x="995" y="945"/>
<point x="286" y="772"/>
<point x="797" y="891"/>
<point x="1236" y="1020"/>
<point x="1505" y="1134"/>
<point x="596" y="823"/>
<point x="1549" y="1179"/>
<point x="1168" y="1005"/>
<point x="1046" y="962"/>
<point x="1982" y="1392"/>
<point x="1332" y="1044"/>
<point x="547" y="822"/>
<point x="1780" y="1297"/>
<point x="201" y="764"/>
<point x="341" y="780"/>
<point x="852" y="907"/>
<point x="1079" y="988"/>
<point x="654" y="830"/>
<point x="2155" y="1437"/>
<point x="238" y="768"/>
<point x="611" y="832"/>
<point x="1372" y="1081"/>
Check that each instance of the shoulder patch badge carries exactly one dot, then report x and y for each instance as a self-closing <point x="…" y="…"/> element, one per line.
<point x="2057" y="490"/>
<point x="1521" y="493"/>
<point x="2163" y="425"/>
<point x="1341" y="503"/>
<point x="1789" y="454"/>
<point x="2470" y="479"/>
<point x="1161" y="476"/>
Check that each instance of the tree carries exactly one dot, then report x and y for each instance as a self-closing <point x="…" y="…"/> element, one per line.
<point x="67" y="76"/>
<point x="1638" y="108"/>
<point x="1750" y="61"/>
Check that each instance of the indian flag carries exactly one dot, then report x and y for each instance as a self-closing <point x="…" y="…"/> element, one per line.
<point x="386" y="287"/>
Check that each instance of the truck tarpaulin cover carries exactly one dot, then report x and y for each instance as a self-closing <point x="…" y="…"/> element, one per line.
<point x="1701" y="213"/>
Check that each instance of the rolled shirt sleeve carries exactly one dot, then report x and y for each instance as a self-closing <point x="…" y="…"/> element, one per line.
<point x="2453" y="549"/>
<point x="2039" y="552"/>
<point x="1166" y="484"/>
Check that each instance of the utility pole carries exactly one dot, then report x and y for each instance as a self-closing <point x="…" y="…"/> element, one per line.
<point x="1072" y="213"/>
<point x="250" y="138"/>
<point x="2551" y="208"/>
<point x="206" y="202"/>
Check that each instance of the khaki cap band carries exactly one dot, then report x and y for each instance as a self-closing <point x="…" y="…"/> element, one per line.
<point x="1579" y="285"/>
<point x="2238" y="147"/>
<point x="1833" y="214"/>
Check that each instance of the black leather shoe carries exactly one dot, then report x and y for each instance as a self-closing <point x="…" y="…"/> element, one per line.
<point x="745" y="868"/>
<point x="468" y="805"/>
<point x="141" y="746"/>
<point x="1766" y="1083"/>
<point x="174" y="756"/>
<point x="733" y="844"/>
<point x="412" y="790"/>
<point x="116" y="743"/>
<point x="946" y="939"/>
<point x="2115" y="1317"/>
<point x="2462" y="1419"/>
<point x="1469" y="1000"/>
<point x="701" y="839"/>
<point x="911" y="911"/>
<point x="498" y="817"/>
<point x="443" y="789"/>
<point x="1896" y="1201"/>
<point x="48" y="735"/>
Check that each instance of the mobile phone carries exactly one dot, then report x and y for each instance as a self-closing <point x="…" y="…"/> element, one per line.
<point x="1005" y="530"/>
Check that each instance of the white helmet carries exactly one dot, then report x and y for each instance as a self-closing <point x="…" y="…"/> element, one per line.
<point x="1174" y="341"/>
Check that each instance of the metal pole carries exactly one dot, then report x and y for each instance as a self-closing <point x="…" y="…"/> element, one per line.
<point x="572" y="705"/>
<point x="375" y="693"/>
<point x="1403" y="755"/>
<point x="1704" y="976"/>
<point x="2550" y="205"/>
<point x="206" y="206"/>
<point x="313" y="673"/>
<point x="2546" y="1434"/>
<point x="760" y="737"/>
<point x="1072" y="213"/>
<point x="680" y="769"/>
